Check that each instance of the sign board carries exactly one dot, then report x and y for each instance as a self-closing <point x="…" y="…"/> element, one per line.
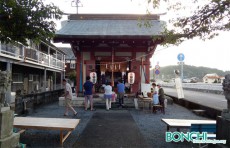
<point x="145" y="88"/>
<point x="157" y="71"/>
<point x="180" y="57"/>
<point x="157" y="67"/>
<point x="180" y="63"/>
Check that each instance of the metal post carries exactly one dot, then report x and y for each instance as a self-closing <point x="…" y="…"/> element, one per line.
<point x="55" y="81"/>
<point x="182" y="63"/>
<point x="44" y="81"/>
<point x="49" y="55"/>
<point x="61" y="79"/>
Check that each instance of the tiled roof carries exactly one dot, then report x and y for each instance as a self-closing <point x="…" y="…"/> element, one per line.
<point x="69" y="53"/>
<point x="88" y="28"/>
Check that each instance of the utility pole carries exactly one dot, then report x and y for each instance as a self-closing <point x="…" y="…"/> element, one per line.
<point x="76" y="3"/>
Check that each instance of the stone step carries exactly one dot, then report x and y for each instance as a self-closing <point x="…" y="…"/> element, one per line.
<point x="98" y="102"/>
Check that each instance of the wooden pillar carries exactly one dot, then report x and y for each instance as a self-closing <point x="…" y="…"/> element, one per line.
<point x="147" y="71"/>
<point x="112" y="77"/>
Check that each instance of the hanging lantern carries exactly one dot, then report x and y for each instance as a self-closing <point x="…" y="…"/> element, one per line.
<point x="131" y="77"/>
<point x="93" y="77"/>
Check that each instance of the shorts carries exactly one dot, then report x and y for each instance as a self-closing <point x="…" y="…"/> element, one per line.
<point x="108" y="96"/>
<point x="68" y="102"/>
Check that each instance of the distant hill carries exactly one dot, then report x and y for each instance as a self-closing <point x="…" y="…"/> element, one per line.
<point x="167" y="72"/>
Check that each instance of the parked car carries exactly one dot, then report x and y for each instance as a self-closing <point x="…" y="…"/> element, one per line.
<point x="194" y="80"/>
<point x="186" y="81"/>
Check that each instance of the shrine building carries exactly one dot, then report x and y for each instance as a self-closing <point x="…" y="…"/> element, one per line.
<point x="112" y="45"/>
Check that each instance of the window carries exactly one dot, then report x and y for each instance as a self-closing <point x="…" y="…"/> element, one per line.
<point x="17" y="78"/>
<point x="35" y="78"/>
<point x="30" y="77"/>
<point x="72" y="65"/>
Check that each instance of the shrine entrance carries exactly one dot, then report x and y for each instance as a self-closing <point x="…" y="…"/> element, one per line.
<point x="110" y="72"/>
<point x="112" y="45"/>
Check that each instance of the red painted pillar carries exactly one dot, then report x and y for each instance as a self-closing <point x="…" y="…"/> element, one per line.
<point x="78" y="69"/>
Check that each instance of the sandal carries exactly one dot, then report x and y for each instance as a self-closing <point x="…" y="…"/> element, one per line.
<point x="93" y="109"/>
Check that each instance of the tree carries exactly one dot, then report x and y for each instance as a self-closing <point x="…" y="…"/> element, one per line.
<point x="203" y="21"/>
<point x="27" y="19"/>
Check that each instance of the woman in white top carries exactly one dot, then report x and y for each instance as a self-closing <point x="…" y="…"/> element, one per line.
<point x="108" y="95"/>
<point x="155" y="94"/>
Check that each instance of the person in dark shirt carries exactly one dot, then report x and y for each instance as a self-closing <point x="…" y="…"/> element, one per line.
<point x="120" y="93"/>
<point x="161" y="94"/>
<point x="88" y="87"/>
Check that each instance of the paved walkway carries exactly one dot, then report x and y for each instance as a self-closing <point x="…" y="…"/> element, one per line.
<point x="211" y="100"/>
<point x="115" y="128"/>
<point x="111" y="129"/>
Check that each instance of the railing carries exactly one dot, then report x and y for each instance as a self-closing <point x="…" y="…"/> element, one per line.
<point x="31" y="55"/>
<point x="11" y="51"/>
<point x="204" y="87"/>
<point x="27" y="103"/>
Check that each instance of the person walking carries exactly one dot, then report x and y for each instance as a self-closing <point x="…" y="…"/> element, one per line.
<point x="68" y="98"/>
<point x="120" y="93"/>
<point x="88" y="87"/>
<point x="108" y="95"/>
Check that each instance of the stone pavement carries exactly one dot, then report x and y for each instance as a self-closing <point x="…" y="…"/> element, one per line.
<point x="113" y="129"/>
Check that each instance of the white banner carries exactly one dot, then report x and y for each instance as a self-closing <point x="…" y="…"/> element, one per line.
<point x="179" y="89"/>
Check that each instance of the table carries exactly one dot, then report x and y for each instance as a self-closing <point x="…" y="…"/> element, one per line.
<point x="184" y="123"/>
<point x="61" y="124"/>
<point x="145" y="100"/>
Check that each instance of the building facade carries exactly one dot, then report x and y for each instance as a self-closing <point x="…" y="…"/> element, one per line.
<point x="34" y="68"/>
<point x="213" y="78"/>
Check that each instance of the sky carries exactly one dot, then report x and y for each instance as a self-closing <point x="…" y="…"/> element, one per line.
<point x="213" y="53"/>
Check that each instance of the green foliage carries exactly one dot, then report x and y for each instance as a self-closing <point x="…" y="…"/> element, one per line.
<point x="72" y="76"/>
<point x="189" y="71"/>
<point x="27" y="19"/>
<point x="203" y="21"/>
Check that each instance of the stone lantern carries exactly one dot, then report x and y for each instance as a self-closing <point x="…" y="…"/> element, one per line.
<point x="8" y="139"/>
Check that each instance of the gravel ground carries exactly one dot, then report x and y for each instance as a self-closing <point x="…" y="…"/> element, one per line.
<point x="150" y="125"/>
<point x="154" y="129"/>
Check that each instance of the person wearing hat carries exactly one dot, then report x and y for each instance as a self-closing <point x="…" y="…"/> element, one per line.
<point x="161" y="95"/>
